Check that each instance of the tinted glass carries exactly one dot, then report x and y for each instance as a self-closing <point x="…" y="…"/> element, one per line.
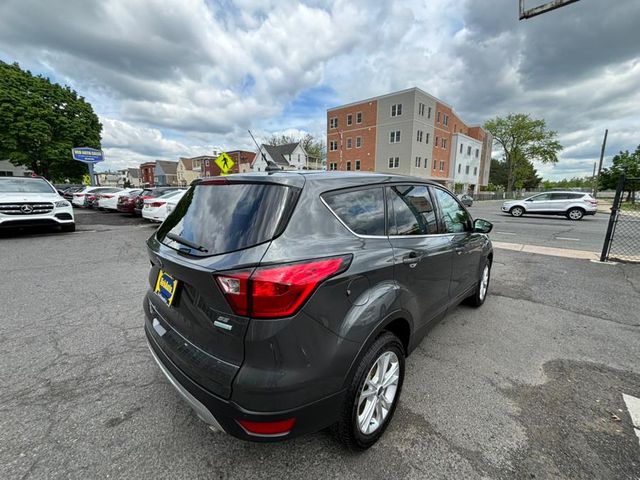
<point x="224" y="218"/>
<point x="361" y="210"/>
<point x="541" y="198"/>
<point x="455" y="218"/>
<point x="562" y="196"/>
<point x="411" y="210"/>
<point x="25" y="185"/>
<point x="578" y="195"/>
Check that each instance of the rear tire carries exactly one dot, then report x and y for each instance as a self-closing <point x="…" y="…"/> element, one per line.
<point x="516" y="211"/>
<point x="480" y="295"/>
<point x="70" y="227"/>
<point x="369" y="405"/>
<point x="575" y="214"/>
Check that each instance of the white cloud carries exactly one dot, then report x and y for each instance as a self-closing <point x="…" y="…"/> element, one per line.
<point x="175" y="77"/>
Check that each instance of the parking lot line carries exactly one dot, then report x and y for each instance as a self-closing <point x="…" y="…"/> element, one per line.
<point x="505" y="233"/>
<point x="568" y="238"/>
<point x="633" y="405"/>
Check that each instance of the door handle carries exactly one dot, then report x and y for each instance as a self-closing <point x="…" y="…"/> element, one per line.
<point x="411" y="259"/>
<point x="460" y="250"/>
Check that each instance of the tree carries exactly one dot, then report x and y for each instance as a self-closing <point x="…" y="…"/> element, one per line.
<point x="526" y="176"/>
<point x="624" y="162"/>
<point x="522" y="140"/>
<point x="314" y="148"/>
<point x="40" y="122"/>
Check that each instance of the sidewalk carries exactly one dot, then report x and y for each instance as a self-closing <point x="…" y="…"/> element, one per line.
<point x="555" y="252"/>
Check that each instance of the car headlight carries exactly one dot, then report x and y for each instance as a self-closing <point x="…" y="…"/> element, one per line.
<point x="63" y="203"/>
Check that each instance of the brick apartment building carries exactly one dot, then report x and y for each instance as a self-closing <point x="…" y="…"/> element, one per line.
<point x="147" y="174"/>
<point x="408" y="132"/>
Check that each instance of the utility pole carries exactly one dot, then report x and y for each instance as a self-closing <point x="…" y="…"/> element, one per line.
<point x="604" y="144"/>
<point x="593" y="178"/>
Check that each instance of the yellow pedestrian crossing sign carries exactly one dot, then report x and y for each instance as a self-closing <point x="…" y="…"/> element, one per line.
<point x="225" y="163"/>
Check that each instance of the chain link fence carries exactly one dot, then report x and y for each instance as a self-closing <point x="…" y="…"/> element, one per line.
<point x="622" y="241"/>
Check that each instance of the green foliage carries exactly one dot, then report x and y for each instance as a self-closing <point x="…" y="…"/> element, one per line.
<point x="523" y="140"/>
<point x="458" y="187"/>
<point x="567" y="183"/>
<point x="624" y="162"/>
<point x="525" y="175"/>
<point x="40" y="122"/>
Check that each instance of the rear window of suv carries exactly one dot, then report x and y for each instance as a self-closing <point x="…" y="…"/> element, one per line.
<point x="222" y="218"/>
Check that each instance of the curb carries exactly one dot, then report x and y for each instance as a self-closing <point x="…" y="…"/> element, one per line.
<point x="554" y="252"/>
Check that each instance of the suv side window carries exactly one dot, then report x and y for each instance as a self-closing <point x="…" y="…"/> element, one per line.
<point x="561" y="196"/>
<point x="411" y="210"/>
<point x="543" y="197"/>
<point x="455" y="218"/>
<point x="361" y="210"/>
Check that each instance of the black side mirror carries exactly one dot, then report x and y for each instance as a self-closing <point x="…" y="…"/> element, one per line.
<point x="482" y="226"/>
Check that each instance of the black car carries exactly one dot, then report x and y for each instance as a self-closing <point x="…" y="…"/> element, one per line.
<point x="283" y="303"/>
<point x="152" y="192"/>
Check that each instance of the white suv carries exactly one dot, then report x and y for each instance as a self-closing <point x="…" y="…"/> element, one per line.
<point x="573" y="205"/>
<point x="29" y="202"/>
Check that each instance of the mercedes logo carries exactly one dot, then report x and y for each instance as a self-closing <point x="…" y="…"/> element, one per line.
<point x="26" y="209"/>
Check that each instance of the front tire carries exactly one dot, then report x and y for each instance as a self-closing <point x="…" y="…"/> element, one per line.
<point x="480" y="295"/>
<point x="516" y="211"/>
<point x="575" y="214"/>
<point x="373" y="394"/>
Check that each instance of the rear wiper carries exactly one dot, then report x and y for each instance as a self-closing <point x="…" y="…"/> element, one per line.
<point x="188" y="243"/>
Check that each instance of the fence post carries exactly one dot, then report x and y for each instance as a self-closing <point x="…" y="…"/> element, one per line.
<point x="612" y="219"/>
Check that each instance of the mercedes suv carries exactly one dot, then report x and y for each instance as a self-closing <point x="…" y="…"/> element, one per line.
<point x="283" y="303"/>
<point x="31" y="202"/>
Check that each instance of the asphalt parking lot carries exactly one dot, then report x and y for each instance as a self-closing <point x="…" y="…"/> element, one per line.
<point x="528" y="386"/>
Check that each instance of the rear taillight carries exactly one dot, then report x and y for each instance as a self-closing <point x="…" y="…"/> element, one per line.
<point x="157" y="204"/>
<point x="277" y="291"/>
<point x="79" y="194"/>
<point x="592" y="201"/>
<point x="106" y="196"/>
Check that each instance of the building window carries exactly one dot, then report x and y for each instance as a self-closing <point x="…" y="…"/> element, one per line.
<point x="426" y="140"/>
<point x="348" y="166"/>
<point x="477" y="152"/>
<point x="459" y="168"/>
<point x="469" y="151"/>
<point x="429" y="113"/>
<point x="455" y="127"/>
<point x="333" y="145"/>
<point x="446" y="119"/>
<point x="475" y="171"/>
<point x="438" y="117"/>
<point x="419" y="136"/>
<point x="466" y="170"/>
<point x="349" y="143"/>
<point x="349" y="119"/>
<point x="394" y="137"/>
<point x="418" y="161"/>
<point x="421" y="109"/>
<point x="444" y="143"/>
<point x="461" y="147"/>
<point x="359" y="117"/>
<point x="442" y="166"/>
<point x="358" y="142"/>
<point x="333" y="166"/>
<point x="434" y="164"/>
<point x="357" y="164"/>
<point x="425" y="162"/>
<point x="394" y="162"/>
<point x="396" y="110"/>
<point x="436" y="144"/>
<point x="333" y="122"/>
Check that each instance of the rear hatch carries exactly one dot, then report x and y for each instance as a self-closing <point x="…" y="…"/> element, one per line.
<point x="217" y="226"/>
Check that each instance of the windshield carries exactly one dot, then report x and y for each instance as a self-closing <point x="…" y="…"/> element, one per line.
<point x="224" y="218"/>
<point x="25" y="185"/>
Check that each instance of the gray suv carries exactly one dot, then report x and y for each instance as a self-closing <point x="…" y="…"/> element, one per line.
<point x="573" y="205"/>
<point x="283" y="303"/>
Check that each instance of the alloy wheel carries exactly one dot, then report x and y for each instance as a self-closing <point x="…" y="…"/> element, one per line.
<point x="484" y="283"/>
<point x="378" y="393"/>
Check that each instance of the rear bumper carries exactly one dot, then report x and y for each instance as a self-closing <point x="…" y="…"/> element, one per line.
<point x="222" y="414"/>
<point x="124" y="208"/>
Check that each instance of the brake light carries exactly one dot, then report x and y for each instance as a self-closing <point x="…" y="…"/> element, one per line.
<point x="157" y="204"/>
<point x="106" y="196"/>
<point x="277" y="291"/>
<point x="215" y="181"/>
<point x="79" y="194"/>
<point x="280" y="427"/>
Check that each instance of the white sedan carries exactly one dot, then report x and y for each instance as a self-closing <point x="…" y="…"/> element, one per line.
<point x="155" y="209"/>
<point x="109" y="201"/>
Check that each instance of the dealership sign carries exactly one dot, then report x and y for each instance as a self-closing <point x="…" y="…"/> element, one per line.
<point x="87" y="155"/>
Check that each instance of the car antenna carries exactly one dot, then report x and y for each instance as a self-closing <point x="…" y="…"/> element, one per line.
<point x="271" y="165"/>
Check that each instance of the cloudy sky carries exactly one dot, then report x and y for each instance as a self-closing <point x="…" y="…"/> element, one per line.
<point x="173" y="78"/>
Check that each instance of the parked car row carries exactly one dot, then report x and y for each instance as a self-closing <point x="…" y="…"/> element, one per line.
<point x="153" y="204"/>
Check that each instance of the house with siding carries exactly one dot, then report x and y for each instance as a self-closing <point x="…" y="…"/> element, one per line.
<point x="166" y="173"/>
<point x="290" y="156"/>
